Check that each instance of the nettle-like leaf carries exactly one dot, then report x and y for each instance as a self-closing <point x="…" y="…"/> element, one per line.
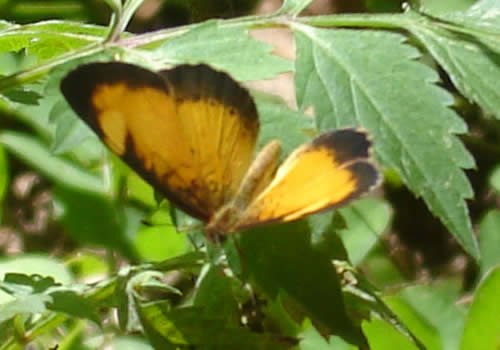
<point x="372" y="79"/>
<point x="471" y="61"/>
<point x="226" y="48"/>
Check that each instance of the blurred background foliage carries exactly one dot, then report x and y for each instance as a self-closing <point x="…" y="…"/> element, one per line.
<point x="92" y="236"/>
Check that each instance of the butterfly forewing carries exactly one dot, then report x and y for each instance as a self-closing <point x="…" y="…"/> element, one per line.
<point x="190" y="131"/>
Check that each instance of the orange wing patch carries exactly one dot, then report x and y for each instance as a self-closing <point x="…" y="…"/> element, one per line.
<point x="190" y="131"/>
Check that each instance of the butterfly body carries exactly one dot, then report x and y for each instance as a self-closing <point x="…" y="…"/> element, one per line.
<point x="230" y="217"/>
<point x="191" y="132"/>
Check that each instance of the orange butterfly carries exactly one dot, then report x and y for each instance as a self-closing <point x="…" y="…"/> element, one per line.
<point x="191" y="133"/>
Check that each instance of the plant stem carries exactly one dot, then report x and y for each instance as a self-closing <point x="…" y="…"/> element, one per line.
<point x="403" y="21"/>
<point x="384" y="21"/>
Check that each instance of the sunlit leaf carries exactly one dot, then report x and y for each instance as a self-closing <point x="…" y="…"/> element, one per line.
<point x="386" y="92"/>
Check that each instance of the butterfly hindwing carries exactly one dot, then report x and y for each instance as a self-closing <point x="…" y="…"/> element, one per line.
<point x="322" y="174"/>
<point x="189" y="131"/>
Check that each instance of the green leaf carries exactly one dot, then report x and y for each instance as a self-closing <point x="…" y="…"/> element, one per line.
<point x="130" y="343"/>
<point x="40" y="44"/>
<point x="215" y="295"/>
<point x="269" y="256"/>
<point x="489" y="241"/>
<point x="293" y="7"/>
<point x="483" y="15"/>
<point x="361" y="299"/>
<point x="139" y="190"/>
<point x="432" y="314"/>
<point x="291" y="127"/>
<point x="74" y="304"/>
<point x="29" y="304"/>
<point x="472" y="66"/>
<point x="441" y="7"/>
<point x="14" y="61"/>
<point x="70" y="131"/>
<point x="88" y="265"/>
<point x="366" y="220"/>
<point x="70" y="300"/>
<point x="20" y="284"/>
<point x="381" y="336"/>
<point x="226" y="48"/>
<point x="486" y="10"/>
<point x="312" y="340"/>
<point x="34" y="117"/>
<point x="187" y="260"/>
<point x="23" y="95"/>
<point x="196" y="326"/>
<point x="36" y="265"/>
<point x="395" y="98"/>
<point x="96" y="219"/>
<point x="483" y="324"/>
<point x="160" y="242"/>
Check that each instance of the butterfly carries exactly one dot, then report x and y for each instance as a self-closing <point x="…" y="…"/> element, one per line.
<point x="191" y="132"/>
